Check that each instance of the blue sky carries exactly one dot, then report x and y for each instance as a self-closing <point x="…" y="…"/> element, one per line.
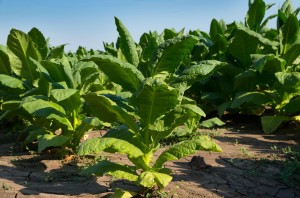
<point x="90" y="22"/>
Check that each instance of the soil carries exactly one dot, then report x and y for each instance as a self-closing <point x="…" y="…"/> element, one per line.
<point x="252" y="164"/>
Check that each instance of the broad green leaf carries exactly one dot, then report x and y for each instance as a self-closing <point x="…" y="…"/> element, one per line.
<point x="149" y="43"/>
<point x="48" y="110"/>
<point x="10" y="105"/>
<point x="117" y="170"/>
<point x="122" y="132"/>
<point x="245" y="81"/>
<point x="57" y="72"/>
<point x="13" y="84"/>
<point x="177" y="117"/>
<point x="170" y="54"/>
<point x="288" y="79"/>
<point x="256" y="14"/>
<point x="293" y="106"/>
<point x="269" y="63"/>
<point x="171" y="33"/>
<point x="289" y="34"/>
<point x="212" y="122"/>
<point x="271" y="123"/>
<point x="154" y="99"/>
<point x="68" y="98"/>
<point x="292" y="54"/>
<point x="111" y="145"/>
<point x="92" y="121"/>
<point x="199" y="71"/>
<point x="108" y="111"/>
<point x="150" y="179"/>
<point x="242" y="46"/>
<point x="125" y="74"/>
<point x="34" y="132"/>
<point x="186" y="148"/>
<point x="257" y="98"/>
<point x="40" y="42"/>
<point x="215" y="30"/>
<point x="22" y="47"/>
<point x="56" y="52"/>
<point x="4" y="63"/>
<point x="49" y="140"/>
<point x="127" y="44"/>
<point x="287" y="7"/>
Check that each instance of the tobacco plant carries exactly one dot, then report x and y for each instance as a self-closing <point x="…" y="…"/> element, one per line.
<point x="152" y="113"/>
<point x="39" y="84"/>
<point x="153" y="108"/>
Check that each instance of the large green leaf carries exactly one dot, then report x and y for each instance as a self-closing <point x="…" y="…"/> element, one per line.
<point x="170" y="54"/>
<point x="12" y="84"/>
<point x="271" y="123"/>
<point x="125" y="74"/>
<point x="177" y="117"/>
<point x="109" y="144"/>
<point x="186" y="148"/>
<point x="40" y="42"/>
<point x="68" y="98"/>
<point x="127" y="44"/>
<point x="288" y="79"/>
<point x="4" y="63"/>
<point x="255" y="14"/>
<point x="56" y="52"/>
<point x="23" y="48"/>
<point x="47" y="110"/>
<point x="122" y="132"/>
<point x="198" y="72"/>
<point x="150" y="179"/>
<point x="289" y="34"/>
<point x="293" y="106"/>
<point x="242" y="46"/>
<point x="269" y="63"/>
<point x="48" y="140"/>
<point x="246" y="80"/>
<point x="256" y="98"/>
<point x="57" y="72"/>
<point x="215" y="30"/>
<point x="116" y="170"/>
<point x="149" y="43"/>
<point x="154" y="99"/>
<point x="10" y="105"/>
<point x="108" y="111"/>
<point x="292" y="54"/>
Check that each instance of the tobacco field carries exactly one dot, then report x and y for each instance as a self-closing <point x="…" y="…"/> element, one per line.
<point x="133" y="112"/>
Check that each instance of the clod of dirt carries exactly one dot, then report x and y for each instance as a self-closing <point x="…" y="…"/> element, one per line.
<point x="198" y="163"/>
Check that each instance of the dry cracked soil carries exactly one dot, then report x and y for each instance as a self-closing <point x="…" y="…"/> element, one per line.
<point x="252" y="164"/>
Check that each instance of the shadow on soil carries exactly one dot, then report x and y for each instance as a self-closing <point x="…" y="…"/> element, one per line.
<point x="31" y="177"/>
<point x="237" y="177"/>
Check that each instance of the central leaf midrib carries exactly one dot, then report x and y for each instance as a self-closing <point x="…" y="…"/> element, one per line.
<point x="25" y="56"/>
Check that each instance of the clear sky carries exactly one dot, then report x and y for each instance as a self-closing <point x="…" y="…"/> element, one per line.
<point x="90" y="22"/>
